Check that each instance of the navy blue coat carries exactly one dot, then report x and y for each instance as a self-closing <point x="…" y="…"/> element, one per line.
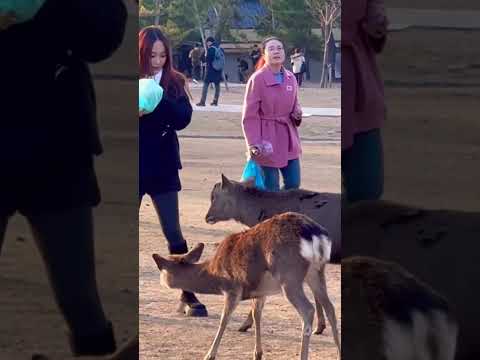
<point x="159" y="147"/>
<point x="213" y="75"/>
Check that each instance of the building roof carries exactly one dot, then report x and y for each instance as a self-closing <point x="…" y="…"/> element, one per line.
<point x="249" y="12"/>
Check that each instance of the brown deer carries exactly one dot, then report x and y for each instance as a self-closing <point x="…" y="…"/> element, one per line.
<point x="242" y="202"/>
<point x="277" y="255"/>
<point x="389" y="314"/>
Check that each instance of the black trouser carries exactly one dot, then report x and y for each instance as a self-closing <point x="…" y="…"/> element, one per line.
<point x="65" y="240"/>
<point x="166" y="206"/>
<point x="206" y="84"/>
<point x="299" y="77"/>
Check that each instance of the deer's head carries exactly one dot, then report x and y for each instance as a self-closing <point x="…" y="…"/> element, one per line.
<point x="224" y="200"/>
<point x="174" y="269"/>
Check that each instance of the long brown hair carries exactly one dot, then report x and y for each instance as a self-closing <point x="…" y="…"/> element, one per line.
<point x="173" y="82"/>
<point x="261" y="62"/>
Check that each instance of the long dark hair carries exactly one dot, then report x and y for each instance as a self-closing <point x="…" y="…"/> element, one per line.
<point x="261" y="62"/>
<point x="173" y="82"/>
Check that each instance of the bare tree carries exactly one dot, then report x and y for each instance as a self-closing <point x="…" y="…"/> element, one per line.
<point x="327" y="12"/>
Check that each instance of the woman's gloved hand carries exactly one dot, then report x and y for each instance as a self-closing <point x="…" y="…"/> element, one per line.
<point x="296" y="117"/>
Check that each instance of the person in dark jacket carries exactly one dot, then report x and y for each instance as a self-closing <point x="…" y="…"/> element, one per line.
<point x="159" y="148"/>
<point x="213" y="76"/>
<point x="48" y="138"/>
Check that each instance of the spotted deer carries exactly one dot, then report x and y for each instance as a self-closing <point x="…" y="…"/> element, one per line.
<point x="278" y="255"/>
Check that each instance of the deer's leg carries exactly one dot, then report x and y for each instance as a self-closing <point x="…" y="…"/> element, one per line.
<point x="247" y="324"/>
<point x="317" y="282"/>
<point x="321" y="324"/>
<point x="231" y="302"/>
<point x="257" y="309"/>
<point x="293" y="291"/>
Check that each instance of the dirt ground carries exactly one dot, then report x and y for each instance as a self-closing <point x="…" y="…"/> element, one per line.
<point x="168" y="335"/>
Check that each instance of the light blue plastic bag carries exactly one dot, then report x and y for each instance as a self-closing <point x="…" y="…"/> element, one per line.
<point x="24" y="10"/>
<point x="253" y="170"/>
<point x="149" y="95"/>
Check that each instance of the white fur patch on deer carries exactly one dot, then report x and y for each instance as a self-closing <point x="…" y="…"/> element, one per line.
<point x="317" y="249"/>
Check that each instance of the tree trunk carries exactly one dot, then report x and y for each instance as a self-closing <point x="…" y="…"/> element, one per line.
<point x="327" y="35"/>
<point x="157" y="13"/>
<point x="199" y="24"/>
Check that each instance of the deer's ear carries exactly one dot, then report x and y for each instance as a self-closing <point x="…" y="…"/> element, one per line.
<point x="194" y="255"/>
<point x="225" y="182"/>
<point x="160" y="261"/>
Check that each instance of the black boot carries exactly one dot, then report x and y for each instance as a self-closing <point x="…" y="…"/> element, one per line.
<point x="178" y="249"/>
<point x="191" y="306"/>
<point x="201" y="104"/>
<point x="102" y="343"/>
<point x="214" y="103"/>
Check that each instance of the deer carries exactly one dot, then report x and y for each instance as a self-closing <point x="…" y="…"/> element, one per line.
<point x="244" y="203"/>
<point x="389" y="314"/>
<point x="248" y="205"/>
<point x="276" y="256"/>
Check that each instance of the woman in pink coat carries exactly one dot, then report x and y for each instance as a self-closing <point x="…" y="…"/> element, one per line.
<point x="271" y="115"/>
<point x="364" y="27"/>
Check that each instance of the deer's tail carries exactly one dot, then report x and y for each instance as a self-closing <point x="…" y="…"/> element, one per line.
<point x="315" y="244"/>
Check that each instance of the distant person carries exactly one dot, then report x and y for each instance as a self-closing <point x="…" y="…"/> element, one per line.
<point x="215" y="59"/>
<point x="364" y="33"/>
<point x="298" y="65"/>
<point x="48" y="141"/>
<point x="242" y="66"/>
<point x="195" y="57"/>
<point x="159" y="152"/>
<point x="271" y="117"/>
<point x="255" y="55"/>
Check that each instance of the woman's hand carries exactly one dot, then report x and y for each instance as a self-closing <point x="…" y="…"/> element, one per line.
<point x="296" y="117"/>
<point x="141" y="113"/>
<point x="254" y="150"/>
<point x="7" y="20"/>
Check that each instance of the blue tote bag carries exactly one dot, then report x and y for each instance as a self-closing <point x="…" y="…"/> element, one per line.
<point x="253" y="170"/>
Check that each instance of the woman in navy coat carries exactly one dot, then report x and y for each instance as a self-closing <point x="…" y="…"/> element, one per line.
<point x="159" y="148"/>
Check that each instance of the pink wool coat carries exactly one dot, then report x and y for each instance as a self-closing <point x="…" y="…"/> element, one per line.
<point x="363" y="104"/>
<point x="266" y="116"/>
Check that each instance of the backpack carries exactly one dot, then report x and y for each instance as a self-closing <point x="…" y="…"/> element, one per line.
<point x="218" y="62"/>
